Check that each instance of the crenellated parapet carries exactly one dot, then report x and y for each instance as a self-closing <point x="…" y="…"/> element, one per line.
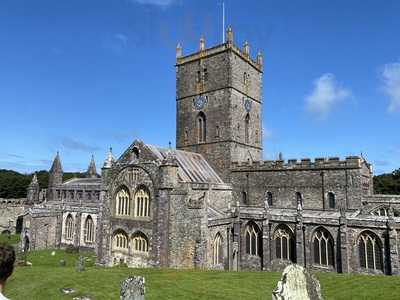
<point x="204" y="52"/>
<point x="350" y="162"/>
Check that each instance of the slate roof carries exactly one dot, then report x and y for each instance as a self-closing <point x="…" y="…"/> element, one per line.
<point x="83" y="181"/>
<point x="192" y="166"/>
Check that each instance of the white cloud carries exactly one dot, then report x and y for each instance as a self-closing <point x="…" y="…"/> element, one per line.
<point x="391" y="85"/>
<point x="326" y="94"/>
<point x="162" y="3"/>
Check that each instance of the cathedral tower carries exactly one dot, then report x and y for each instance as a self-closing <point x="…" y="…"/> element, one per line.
<point x="219" y="105"/>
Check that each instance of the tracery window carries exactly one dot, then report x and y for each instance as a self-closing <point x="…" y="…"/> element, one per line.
<point x="201" y="127"/>
<point x="218" y="256"/>
<point x="69" y="227"/>
<point x="331" y="200"/>
<point x="252" y="239"/>
<point x="142" y="203"/>
<point x="284" y="243"/>
<point x="370" y="251"/>
<point x="89" y="230"/>
<point x="382" y="211"/>
<point x="122" y="203"/>
<point x="140" y="243"/>
<point x="323" y="248"/>
<point x="120" y="241"/>
<point x="247" y="128"/>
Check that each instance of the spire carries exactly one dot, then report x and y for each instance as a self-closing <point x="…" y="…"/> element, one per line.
<point x="34" y="181"/>
<point x="56" y="166"/>
<point x="178" y="51"/>
<point x="109" y="160"/>
<point x="91" y="171"/>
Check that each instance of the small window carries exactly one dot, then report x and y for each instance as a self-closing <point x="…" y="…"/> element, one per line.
<point x="201" y="127"/>
<point x="244" y="198"/>
<point x="218" y="256"/>
<point x="205" y="75"/>
<point x="299" y="200"/>
<point x="247" y="129"/>
<point x="331" y="200"/>
<point x="217" y="131"/>
<point x="198" y="76"/>
<point x="269" y="198"/>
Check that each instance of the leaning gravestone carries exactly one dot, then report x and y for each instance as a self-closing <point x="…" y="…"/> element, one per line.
<point x="132" y="288"/>
<point x="297" y="284"/>
<point x="80" y="264"/>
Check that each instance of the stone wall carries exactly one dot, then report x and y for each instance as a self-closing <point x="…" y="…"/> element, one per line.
<point x="10" y="210"/>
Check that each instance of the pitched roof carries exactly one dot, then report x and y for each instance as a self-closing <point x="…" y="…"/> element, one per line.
<point x="192" y="166"/>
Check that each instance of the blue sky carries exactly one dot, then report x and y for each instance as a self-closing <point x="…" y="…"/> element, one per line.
<point x="79" y="76"/>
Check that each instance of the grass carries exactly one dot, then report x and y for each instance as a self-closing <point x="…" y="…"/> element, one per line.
<point x="44" y="279"/>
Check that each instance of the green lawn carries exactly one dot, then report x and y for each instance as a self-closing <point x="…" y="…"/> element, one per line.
<point x="44" y="279"/>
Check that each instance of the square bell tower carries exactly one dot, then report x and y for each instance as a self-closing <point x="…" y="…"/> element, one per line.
<point x="219" y="104"/>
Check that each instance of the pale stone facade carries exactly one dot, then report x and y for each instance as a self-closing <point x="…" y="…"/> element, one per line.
<point x="213" y="203"/>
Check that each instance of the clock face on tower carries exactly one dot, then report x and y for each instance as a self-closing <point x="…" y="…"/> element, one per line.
<point x="199" y="102"/>
<point x="247" y="105"/>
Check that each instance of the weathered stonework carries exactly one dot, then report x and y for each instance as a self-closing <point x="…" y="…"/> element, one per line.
<point x="212" y="203"/>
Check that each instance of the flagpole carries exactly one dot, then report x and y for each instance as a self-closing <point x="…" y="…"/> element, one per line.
<point x="223" y="22"/>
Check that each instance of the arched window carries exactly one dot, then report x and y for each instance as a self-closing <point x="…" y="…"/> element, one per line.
<point x="120" y="241"/>
<point x="299" y="200"/>
<point x="122" y="203"/>
<point x="323" y="248"/>
<point x="218" y="256"/>
<point x="269" y="198"/>
<point x="89" y="230"/>
<point x="284" y="243"/>
<point x="252" y="239"/>
<point x="201" y="127"/>
<point x="331" y="200"/>
<point x="140" y="243"/>
<point x="247" y="129"/>
<point x="69" y="228"/>
<point x="142" y="203"/>
<point x="381" y="211"/>
<point x="217" y="131"/>
<point x="370" y="251"/>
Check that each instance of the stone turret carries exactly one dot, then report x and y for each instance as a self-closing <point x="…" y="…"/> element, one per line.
<point x="169" y="171"/>
<point x="56" y="172"/>
<point x="33" y="191"/>
<point x="108" y="163"/>
<point x="178" y="51"/>
<point x="91" y="171"/>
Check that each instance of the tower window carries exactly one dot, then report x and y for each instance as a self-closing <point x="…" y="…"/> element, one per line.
<point x="247" y="129"/>
<point x="205" y="75"/>
<point x="201" y="127"/>
<point x="299" y="200"/>
<point x="198" y="76"/>
<point x="217" y="131"/>
<point x="331" y="200"/>
<point x="269" y="199"/>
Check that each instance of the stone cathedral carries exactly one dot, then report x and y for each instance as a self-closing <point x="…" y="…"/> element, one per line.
<point x="213" y="203"/>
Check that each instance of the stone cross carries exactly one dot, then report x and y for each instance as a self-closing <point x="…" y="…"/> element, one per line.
<point x="297" y="283"/>
<point x="132" y="288"/>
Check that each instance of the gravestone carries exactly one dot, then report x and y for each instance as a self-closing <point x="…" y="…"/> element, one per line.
<point x="80" y="264"/>
<point x="67" y="291"/>
<point x="62" y="263"/>
<point x="297" y="284"/>
<point x="132" y="288"/>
